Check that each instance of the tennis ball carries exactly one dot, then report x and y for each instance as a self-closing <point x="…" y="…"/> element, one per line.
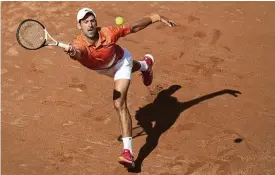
<point x="119" y="20"/>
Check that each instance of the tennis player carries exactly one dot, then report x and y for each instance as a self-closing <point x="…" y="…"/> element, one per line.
<point x="96" y="49"/>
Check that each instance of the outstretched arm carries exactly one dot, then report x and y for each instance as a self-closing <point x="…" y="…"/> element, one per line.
<point x="76" y="53"/>
<point x="143" y="23"/>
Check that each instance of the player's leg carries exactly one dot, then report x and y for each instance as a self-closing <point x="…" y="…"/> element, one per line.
<point x="122" y="78"/>
<point x="120" y="103"/>
<point x="136" y="66"/>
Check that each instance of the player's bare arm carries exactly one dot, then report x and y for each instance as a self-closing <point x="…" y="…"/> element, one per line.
<point x="143" y="23"/>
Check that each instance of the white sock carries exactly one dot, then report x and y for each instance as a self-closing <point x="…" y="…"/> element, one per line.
<point x="143" y="66"/>
<point x="127" y="143"/>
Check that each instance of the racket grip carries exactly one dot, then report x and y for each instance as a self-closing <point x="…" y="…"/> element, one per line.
<point x="64" y="46"/>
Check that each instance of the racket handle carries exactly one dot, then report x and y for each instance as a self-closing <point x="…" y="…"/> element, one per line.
<point x="64" y="46"/>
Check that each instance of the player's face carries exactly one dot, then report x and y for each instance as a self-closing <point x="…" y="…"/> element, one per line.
<point x="89" y="26"/>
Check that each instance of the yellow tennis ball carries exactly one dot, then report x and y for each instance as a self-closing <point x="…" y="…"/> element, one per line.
<point x="119" y="20"/>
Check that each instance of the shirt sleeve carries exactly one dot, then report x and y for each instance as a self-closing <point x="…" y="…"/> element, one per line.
<point x="120" y="31"/>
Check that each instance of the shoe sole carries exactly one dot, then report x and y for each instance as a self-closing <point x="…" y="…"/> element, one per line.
<point x="126" y="163"/>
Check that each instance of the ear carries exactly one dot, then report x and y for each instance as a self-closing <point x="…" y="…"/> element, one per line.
<point x="79" y="26"/>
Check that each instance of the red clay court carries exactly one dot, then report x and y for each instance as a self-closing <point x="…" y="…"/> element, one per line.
<point x="58" y="117"/>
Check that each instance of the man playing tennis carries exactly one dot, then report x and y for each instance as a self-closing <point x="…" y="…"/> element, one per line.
<point x="96" y="49"/>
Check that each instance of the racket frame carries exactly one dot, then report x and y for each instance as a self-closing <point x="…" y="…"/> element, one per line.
<point x="47" y="35"/>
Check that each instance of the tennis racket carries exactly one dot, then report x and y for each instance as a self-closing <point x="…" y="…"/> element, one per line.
<point x="32" y="35"/>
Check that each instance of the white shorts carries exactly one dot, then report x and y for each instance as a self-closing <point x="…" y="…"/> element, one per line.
<point x="122" y="69"/>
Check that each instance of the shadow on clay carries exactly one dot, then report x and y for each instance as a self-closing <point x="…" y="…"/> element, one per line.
<point x="164" y="111"/>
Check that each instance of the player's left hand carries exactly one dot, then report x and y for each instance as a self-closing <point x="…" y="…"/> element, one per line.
<point x="167" y="21"/>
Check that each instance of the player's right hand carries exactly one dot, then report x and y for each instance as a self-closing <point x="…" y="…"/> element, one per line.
<point x="70" y="50"/>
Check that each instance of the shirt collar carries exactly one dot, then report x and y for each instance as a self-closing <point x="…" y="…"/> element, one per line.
<point x="101" y="38"/>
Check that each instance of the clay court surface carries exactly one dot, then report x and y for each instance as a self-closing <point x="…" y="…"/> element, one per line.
<point x="58" y="117"/>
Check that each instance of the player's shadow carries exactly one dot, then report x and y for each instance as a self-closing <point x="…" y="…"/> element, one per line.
<point x="164" y="111"/>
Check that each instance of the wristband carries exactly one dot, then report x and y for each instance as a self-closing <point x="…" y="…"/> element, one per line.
<point x="155" y="18"/>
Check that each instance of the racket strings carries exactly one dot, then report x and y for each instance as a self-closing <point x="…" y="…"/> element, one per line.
<point x="31" y="35"/>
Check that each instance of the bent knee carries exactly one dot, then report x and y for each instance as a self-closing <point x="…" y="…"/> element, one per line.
<point x="120" y="105"/>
